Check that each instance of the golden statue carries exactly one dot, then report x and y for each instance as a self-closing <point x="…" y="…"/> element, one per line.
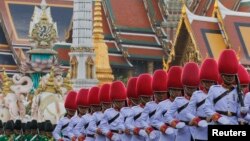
<point x="6" y="83"/>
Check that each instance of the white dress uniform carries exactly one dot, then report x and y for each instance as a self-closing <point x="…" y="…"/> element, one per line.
<point x="112" y="121"/>
<point x="196" y="107"/>
<point x="126" y="112"/>
<point x="81" y="127"/>
<point x="247" y="104"/>
<point x="60" y="132"/>
<point x="72" y="124"/>
<point x="136" y="122"/>
<point x="160" y="119"/>
<point x="94" y="125"/>
<point x="149" y="112"/>
<point x="228" y="106"/>
<point x="183" y="134"/>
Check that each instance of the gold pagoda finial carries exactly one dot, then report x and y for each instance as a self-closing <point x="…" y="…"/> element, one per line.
<point x="103" y="69"/>
<point x="164" y="64"/>
<point x="184" y="10"/>
<point x="66" y="81"/>
<point x="6" y="83"/>
<point x="50" y="85"/>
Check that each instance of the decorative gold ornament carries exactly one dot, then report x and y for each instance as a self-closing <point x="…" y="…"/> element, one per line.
<point x="44" y="32"/>
<point x="103" y="69"/>
<point x="51" y="86"/>
<point x="7" y="83"/>
<point x="67" y="81"/>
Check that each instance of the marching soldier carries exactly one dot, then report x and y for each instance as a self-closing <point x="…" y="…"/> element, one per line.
<point x="48" y="128"/>
<point x="178" y="110"/>
<point x="159" y="85"/>
<point x="244" y="79"/>
<point x="60" y="132"/>
<point x="81" y="128"/>
<point x="1" y="129"/>
<point x="97" y="116"/>
<point x="95" y="107"/>
<point x="144" y="93"/>
<point x="34" y="130"/>
<point x="244" y="83"/>
<point x="112" y="124"/>
<point x="175" y="88"/>
<point x="222" y="102"/>
<point x="208" y="76"/>
<point x="8" y="136"/>
<point x="41" y="134"/>
<point x="134" y="101"/>
<point x="82" y="108"/>
<point x="27" y="133"/>
<point x="17" y="130"/>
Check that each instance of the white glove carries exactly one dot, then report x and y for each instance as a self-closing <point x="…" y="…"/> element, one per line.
<point x="202" y="123"/>
<point x="143" y="133"/>
<point x="115" y="137"/>
<point x="152" y="135"/>
<point x="169" y="131"/>
<point x="244" y="110"/>
<point x="180" y="125"/>
<point x="223" y="120"/>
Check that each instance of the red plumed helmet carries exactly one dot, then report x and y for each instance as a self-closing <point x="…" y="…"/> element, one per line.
<point x="243" y="75"/>
<point x="131" y="88"/>
<point x="118" y="91"/>
<point x="104" y="94"/>
<point x="228" y="62"/>
<point x="190" y="75"/>
<point x="159" y="83"/>
<point x="174" y="77"/>
<point x="82" y="98"/>
<point x="93" y="96"/>
<point x="209" y="70"/>
<point x="70" y="101"/>
<point x="144" y="85"/>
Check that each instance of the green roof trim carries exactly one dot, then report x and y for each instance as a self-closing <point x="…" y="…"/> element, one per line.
<point x="113" y="50"/>
<point x="108" y="37"/>
<point x="118" y="65"/>
<point x="109" y="7"/>
<point x="134" y="29"/>
<point x="136" y="42"/>
<point x="64" y="62"/>
<point x="56" y="46"/>
<point x="245" y="3"/>
<point x="152" y="12"/>
<point x="145" y="57"/>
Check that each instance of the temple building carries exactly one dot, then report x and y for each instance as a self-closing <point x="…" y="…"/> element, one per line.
<point x="199" y="37"/>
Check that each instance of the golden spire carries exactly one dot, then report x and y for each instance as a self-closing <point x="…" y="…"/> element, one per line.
<point x="103" y="69"/>
<point x="50" y="85"/>
<point x="67" y="81"/>
<point x="6" y="83"/>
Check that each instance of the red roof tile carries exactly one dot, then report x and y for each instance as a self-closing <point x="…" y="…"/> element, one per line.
<point x="158" y="14"/>
<point x="230" y="4"/>
<point x="129" y="14"/>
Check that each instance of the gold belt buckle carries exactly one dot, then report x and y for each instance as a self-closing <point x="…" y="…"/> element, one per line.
<point x="229" y="113"/>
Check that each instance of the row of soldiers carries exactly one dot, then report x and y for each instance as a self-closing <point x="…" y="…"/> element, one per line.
<point x="30" y="131"/>
<point x="177" y="105"/>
